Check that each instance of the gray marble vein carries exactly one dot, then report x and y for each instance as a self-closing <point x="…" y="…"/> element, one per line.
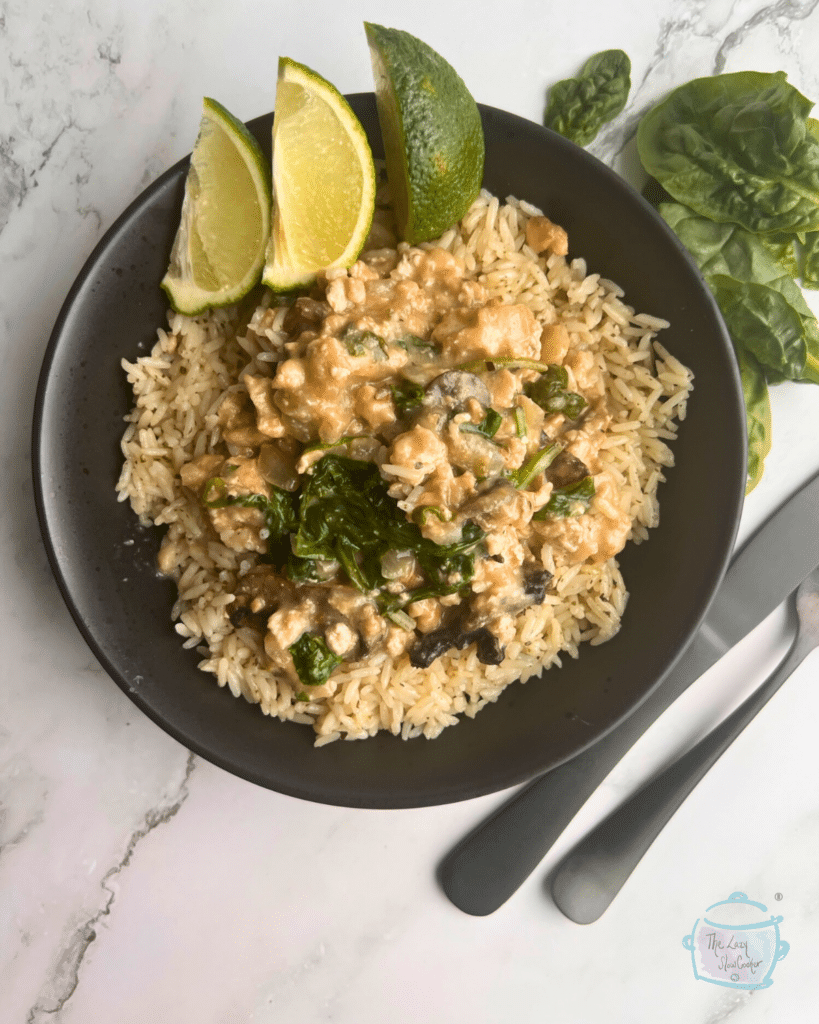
<point x="110" y="909"/>
<point x="65" y="976"/>
<point x="729" y="1007"/>
<point x="692" y="34"/>
<point x="781" y="15"/>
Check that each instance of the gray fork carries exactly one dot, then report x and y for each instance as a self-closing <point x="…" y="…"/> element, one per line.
<point x="591" y="875"/>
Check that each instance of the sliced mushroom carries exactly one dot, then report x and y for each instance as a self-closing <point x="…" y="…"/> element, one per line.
<point x="566" y="469"/>
<point x="304" y="314"/>
<point x="500" y="493"/>
<point x="536" y="582"/>
<point x="454" y="388"/>
<point x="432" y="645"/>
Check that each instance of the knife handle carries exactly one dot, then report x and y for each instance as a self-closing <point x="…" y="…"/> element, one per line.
<point x="492" y="862"/>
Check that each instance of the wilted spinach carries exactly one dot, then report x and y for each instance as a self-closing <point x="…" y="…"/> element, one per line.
<point x="417" y="347"/>
<point x="278" y="508"/>
<point x="407" y="396"/>
<point x="362" y="343"/>
<point x="536" y="464"/>
<point x="579" y="107"/>
<point x="737" y="148"/>
<point x="568" y="501"/>
<point x="313" y="660"/>
<point x="488" y="426"/>
<point x="346" y="514"/>
<point x="551" y="393"/>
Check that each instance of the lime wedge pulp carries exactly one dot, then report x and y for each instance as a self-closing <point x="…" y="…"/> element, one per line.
<point x="219" y="249"/>
<point x="323" y="180"/>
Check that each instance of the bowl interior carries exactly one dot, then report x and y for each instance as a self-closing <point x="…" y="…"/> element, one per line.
<point x="105" y="563"/>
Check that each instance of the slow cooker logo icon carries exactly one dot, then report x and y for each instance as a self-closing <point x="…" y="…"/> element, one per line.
<point x="735" y="945"/>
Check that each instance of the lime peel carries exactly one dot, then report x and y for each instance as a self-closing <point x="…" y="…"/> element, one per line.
<point x="433" y="136"/>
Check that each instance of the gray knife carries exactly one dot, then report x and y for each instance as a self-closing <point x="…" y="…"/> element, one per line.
<point x="489" y="865"/>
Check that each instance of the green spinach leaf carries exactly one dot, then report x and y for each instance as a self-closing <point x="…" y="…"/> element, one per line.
<point x="579" y="107"/>
<point x="568" y="501"/>
<point x="764" y="308"/>
<point x="737" y="148"/>
<point x="782" y="249"/>
<point x="278" y="508"/>
<point x="346" y="514"/>
<point x="534" y="465"/>
<point x="550" y="392"/>
<point x="758" y="412"/>
<point x="488" y="426"/>
<point x="363" y="343"/>
<point x="810" y="260"/>
<point x="417" y="347"/>
<point x="407" y="396"/>
<point x="765" y="323"/>
<point x="313" y="660"/>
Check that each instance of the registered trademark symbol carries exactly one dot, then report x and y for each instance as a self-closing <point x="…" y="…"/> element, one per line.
<point x="778" y="896"/>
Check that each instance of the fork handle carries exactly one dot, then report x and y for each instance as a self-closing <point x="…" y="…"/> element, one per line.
<point x="590" y="876"/>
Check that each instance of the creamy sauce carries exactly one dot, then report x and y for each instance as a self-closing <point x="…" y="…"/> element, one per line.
<point x="373" y="363"/>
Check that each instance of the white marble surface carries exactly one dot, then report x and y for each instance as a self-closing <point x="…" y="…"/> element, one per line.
<point x="140" y="883"/>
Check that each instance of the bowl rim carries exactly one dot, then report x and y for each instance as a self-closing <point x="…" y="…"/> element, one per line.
<point x="120" y="226"/>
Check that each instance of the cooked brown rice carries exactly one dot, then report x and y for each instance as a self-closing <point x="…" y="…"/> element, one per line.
<point x="178" y="389"/>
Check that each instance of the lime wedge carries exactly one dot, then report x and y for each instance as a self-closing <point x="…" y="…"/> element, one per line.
<point x="218" y="252"/>
<point x="433" y="138"/>
<point x="323" y="180"/>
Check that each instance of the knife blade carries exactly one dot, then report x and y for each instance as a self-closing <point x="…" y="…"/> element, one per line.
<point x="486" y="867"/>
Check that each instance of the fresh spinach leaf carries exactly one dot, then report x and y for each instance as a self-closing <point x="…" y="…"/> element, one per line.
<point x="568" y="501"/>
<point x="313" y="660"/>
<point x="764" y="308"/>
<point x="765" y="323"/>
<point x="758" y="412"/>
<point x="550" y="392"/>
<point x="579" y="107"/>
<point x="737" y="148"/>
<point x="810" y="260"/>
<point x="774" y="332"/>
<point x="782" y="249"/>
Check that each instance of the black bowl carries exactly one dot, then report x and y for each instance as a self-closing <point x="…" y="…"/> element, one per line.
<point x="105" y="563"/>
